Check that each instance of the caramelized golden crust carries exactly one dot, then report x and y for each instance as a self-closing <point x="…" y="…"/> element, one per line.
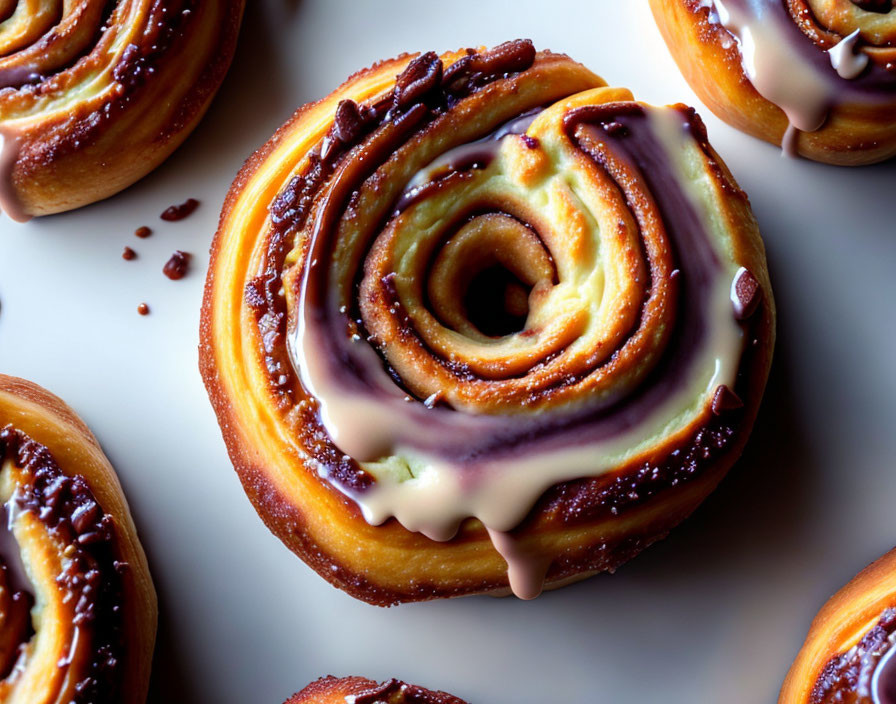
<point x="101" y="94"/>
<point x="846" y="641"/>
<point x="93" y="629"/>
<point x="304" y="487"/>
<point x="858" y="127"/>
<point x="333" y="690"/>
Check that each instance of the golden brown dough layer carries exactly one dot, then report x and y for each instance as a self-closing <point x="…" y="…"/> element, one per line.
<point x="845" y="656"/>
<point x="768" y="67"/>
<point x="77" y="605"/>
<point x="461" y="338"/>
<point x="332" y="690"/>
<point x="94" y="95"/>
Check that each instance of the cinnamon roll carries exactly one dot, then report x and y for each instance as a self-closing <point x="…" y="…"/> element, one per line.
<point x="816" y="76"/>
<point x="358" y="690"/>
<point x="849" y="656"/>
<point x="77" y="606"/>
<point x="95" y="94"/>
<point x="479" y="320"/>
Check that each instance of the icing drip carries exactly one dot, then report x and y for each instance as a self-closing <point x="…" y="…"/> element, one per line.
<point x="846" y="60"/>
<point x="790" y="141"/>
<point x="526" y="570"/>
<point x="774" y="64"/>
<point x="788" y="69"/>
<point x="436" y="466"/>
<point x="9" y="155"/>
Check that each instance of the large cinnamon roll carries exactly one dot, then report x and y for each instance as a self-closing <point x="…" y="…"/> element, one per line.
<point x="95" y="94"/>
<point x="817" y="76"/>
<point x="849" y="656"/>
<point x="482" y="310"/>
<point x="77" y="606"/>
<point x="358" y="690"/>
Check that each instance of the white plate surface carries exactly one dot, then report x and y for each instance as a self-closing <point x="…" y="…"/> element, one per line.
<point x="713" y="614"/>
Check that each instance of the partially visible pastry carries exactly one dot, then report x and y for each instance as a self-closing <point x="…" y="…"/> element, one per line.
<point x="77" y="605"/>
<point x="95" y="94"/>
<point x="849" y="656"/>
<point x="815" y="76"/>
<point x="358" y="690"/>
<point x="478" y="322"/>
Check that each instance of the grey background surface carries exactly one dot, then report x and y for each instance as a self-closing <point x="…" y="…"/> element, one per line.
<point x="715" y="613"/>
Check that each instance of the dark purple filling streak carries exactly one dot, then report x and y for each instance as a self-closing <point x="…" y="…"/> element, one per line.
<point x="423" y="92"/>
<point x="874" y="82"/>
<point x="66" y="506"/>
<point x="473" y="440"/>
<point x="628" y="136"/>
<point x="471" y="160"/>
<point x="637" y="147"/>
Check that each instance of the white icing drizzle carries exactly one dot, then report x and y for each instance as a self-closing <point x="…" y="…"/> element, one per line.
<point x="775" y="67"/>
<point x="779" y="71"/>
<point x="846" y="61"/>
<point x="436" y="495"/>
<point x="467" y="154"/>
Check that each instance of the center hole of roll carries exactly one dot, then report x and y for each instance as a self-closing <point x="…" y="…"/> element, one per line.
<point x="497" y="302"/>
<point x="880" y="6"/>
<point x="488" y="275"/>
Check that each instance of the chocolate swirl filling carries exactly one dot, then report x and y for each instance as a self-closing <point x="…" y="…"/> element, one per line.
<point x="864" y="674"/>
<point x="89" y="27"/>
<point x="90" y="577"/>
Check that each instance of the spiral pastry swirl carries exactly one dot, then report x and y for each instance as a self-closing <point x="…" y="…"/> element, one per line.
<point x="816" y="76"/>
<point x="95" y="94"/>
<point x="849" y="656"/>
<point x="358" y="690"/>
<point x="77" y="606"/>
<point x="489" y="297"/>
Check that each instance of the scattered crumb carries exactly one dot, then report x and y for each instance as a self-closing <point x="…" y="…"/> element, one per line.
<point x="177" y="267"/>
<point x="143" y="232"/>
<point x="143" y="309"/>
<point x="128" y="254"/>
<point x="179" y="212"/>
